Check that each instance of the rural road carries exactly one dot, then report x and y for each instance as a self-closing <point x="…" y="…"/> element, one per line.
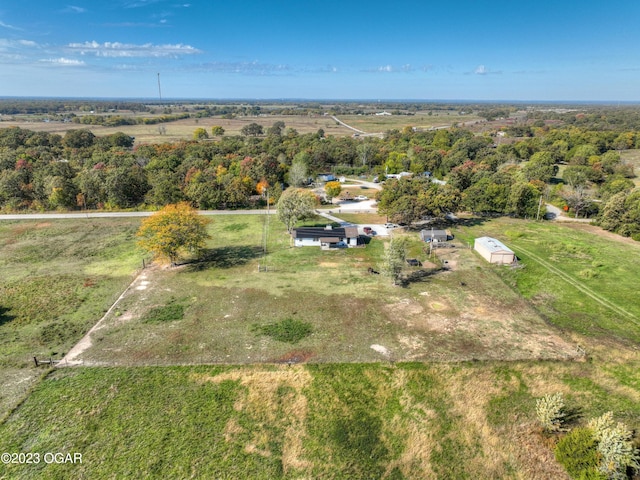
<point x="554" y="213"/>
<point x="51" y="216"/>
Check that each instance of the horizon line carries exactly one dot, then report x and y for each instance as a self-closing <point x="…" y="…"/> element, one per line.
<point x="320" y="100"/>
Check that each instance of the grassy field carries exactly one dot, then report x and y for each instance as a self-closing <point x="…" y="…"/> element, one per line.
<point x="58" y="279"/>
<point x="632" y="157"/>
<point x="402" y="421"/>
<point x="350" y="411"/>
<point x="183" y="129"/>
<point x="218" y="305"/>
<point x="579" y="278"/>
<point x="422" y="120"/>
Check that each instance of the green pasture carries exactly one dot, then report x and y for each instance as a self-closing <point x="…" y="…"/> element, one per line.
<point x="402" y="421"/>
<point x="597" y="296"/>
<point x="212" y="310"/>
<point x="350" y="411"/>
<point x="422" y="120"/>
<point x="632" y="157"/>
<point x="58" y="278"/>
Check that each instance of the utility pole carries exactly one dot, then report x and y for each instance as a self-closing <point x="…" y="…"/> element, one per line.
<point x="159" y="90"/>
<point x="539" y="206"/>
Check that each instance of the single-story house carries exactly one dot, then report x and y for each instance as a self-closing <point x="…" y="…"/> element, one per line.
<point x="494" y="251"/>
<point x="433" y="235"/>
<point x="325" y="237"/>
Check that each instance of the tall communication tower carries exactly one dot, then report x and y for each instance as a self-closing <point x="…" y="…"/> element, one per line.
<point x="159" y="90"/>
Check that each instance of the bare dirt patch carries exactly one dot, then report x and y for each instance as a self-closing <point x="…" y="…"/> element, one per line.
<point x="295" y="356"/>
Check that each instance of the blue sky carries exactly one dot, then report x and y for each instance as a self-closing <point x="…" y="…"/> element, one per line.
<point x="271" y="49"/>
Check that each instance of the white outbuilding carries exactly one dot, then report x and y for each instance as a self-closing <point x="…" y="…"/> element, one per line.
<point x="494" y="251"/>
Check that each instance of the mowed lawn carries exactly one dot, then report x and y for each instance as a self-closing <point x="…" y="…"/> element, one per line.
<point x="213" y="311"/>
<point x="344" y="421"/>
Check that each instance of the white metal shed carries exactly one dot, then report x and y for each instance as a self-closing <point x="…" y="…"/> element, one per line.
<point x="494" y="251"/>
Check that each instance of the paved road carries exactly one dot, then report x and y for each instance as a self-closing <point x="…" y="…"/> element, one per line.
<point x="359" y="132"/>
<point x="554" y="213"/>
<point x="51" y="216"/>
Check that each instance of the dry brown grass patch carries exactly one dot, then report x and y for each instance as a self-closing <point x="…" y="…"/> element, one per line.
<point x="419" y="435"/>
<point x="260" y="395"/>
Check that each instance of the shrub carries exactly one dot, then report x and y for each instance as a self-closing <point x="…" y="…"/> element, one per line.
<point x="549" y="410"/>
<point x="578" y="454"/>
<point x="288" y="330"/>
<point x="615" y="446"/>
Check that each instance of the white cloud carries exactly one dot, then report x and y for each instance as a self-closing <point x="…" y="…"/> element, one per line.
<point x="74" y="9"/>
<point x="10" y="27"/>
<point x="67" y="62"/>
<point x="480" y="70"/>
<point x="385" y="68"/>
<point x="121" y="50"/>
<point x="5" y="43"/>
<point x="253" y="68"/>
<point x="140" y="3"/>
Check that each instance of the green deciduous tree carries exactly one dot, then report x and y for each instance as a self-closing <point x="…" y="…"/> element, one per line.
<point x="295" y="204"/>
<point x="217" y="131"/>
<point x="174" y="229"/>
<point x="394" y="258"/>
<point x="524" y="200"/>
<point x="200" y="134"/>
<point x="252" y="130"/>
<point x="298" y="173"/>
<point x="540" y="167"/>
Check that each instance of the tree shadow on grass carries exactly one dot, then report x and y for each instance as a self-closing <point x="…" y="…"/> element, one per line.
<point x="419" y="275"/>
<point x="5" y="317"/>
<point x="572" y="415"/>
<point x="224" y="257"/>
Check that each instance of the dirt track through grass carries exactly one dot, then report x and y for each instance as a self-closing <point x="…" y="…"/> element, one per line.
<point x="587" y="291"/>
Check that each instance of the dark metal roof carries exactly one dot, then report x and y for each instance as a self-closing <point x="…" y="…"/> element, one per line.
<point x="316" y="232"/>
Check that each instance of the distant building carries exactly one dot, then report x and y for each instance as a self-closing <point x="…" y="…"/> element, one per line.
<point x="399" y="175"/>
<point x="385" y="113"/>
<point x="434" y="235"/>
<point x="326" y="177"/>
<point x="494" y="251"/>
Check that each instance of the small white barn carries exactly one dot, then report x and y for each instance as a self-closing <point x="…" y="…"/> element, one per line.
<point x="494" y="251"/>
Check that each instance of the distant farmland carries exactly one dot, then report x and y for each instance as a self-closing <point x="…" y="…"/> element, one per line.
<point x="183" y="129"/>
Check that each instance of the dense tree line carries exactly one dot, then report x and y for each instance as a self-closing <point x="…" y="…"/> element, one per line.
<point x="576" y="167"/>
